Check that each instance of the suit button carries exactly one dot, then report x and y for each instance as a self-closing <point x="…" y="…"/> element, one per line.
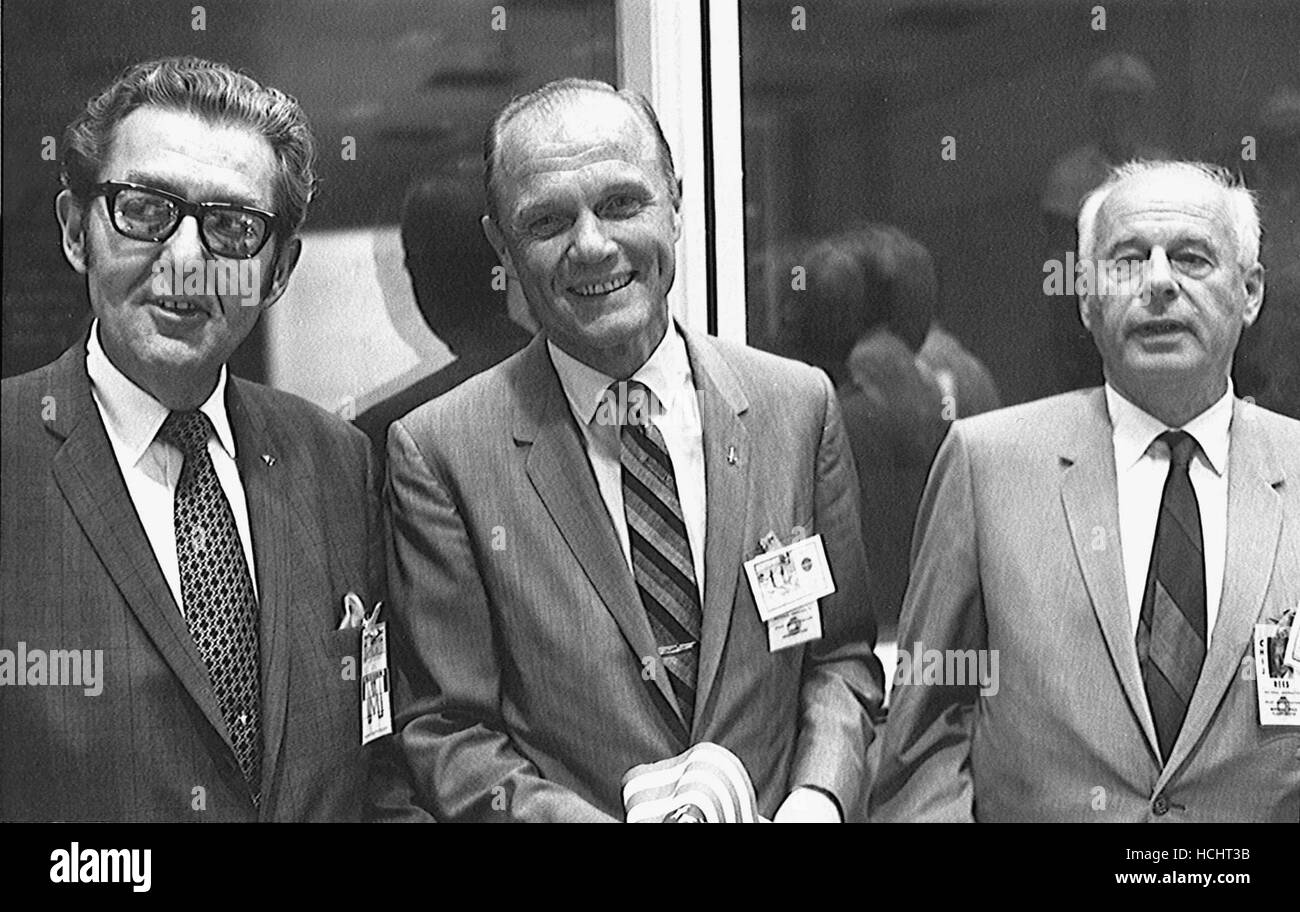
<point x="1160" y="807"/>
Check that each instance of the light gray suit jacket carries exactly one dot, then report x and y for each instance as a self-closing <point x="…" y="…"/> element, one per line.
<point x="524" y="694"/>
<point x="1017" y="550"/>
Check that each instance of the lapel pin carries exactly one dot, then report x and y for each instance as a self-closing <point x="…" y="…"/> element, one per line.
<point x="268" y="459"/>
<point x="731" y="456"/>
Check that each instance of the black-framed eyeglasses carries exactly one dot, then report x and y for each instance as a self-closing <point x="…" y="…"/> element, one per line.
<point x="149" y="214"/>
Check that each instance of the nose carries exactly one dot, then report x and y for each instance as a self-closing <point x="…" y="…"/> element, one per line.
<point x="1161" y="285"/>
<point x="591" y="244"/>
<point x="185" y="244"/>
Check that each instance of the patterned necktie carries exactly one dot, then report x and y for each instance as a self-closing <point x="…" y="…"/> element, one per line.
<point x="661" y="552"/>
<point x="217" y="591"/>
<point x="1171" y="630"/>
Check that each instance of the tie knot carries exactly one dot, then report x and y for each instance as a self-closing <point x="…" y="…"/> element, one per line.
<point x="1182" y="447"/>
<point x="631" y="402"/>
<point x="187" y="431"/>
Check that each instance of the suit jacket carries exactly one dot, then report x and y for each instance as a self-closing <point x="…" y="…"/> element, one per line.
<point x="77" y="572"/>
<point x="531" y="685"/>
<point x="496" y="339"/>
<point x="1018" y="552"/>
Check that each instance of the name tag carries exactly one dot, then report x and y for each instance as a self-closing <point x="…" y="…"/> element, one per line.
<point x="794" y="627"/>
<point x="786" y="583"/>
<point x="376" y="705"/>
<point x="1277" y="682"/>
<point x="783" y="579"/>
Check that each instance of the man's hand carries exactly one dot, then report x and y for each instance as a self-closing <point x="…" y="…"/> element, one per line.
<point x="807" y="805"/>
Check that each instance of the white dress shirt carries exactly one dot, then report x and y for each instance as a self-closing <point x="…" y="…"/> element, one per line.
<point x="151" y="468"/>
<point x="1141" y="467"/>
<point x="667" y="374"/>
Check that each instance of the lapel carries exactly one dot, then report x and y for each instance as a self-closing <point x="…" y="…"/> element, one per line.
<point x="268" y="477"/>
<point x="85" y="470"/>
<point x="557" y="466"/>
<point x="1089" y="493"/>
<point x="722" y="402"/>
<point x="1254" y="531"/>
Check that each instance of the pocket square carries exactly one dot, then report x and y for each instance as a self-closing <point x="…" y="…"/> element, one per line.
<point x="354" y="612"/>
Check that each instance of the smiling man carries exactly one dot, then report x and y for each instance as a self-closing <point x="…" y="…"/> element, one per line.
<point x="1117" y="548"/>
<point x="203" y="531"/>
<point x="569" y="527"/>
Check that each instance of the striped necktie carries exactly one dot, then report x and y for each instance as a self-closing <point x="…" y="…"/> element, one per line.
<point x="217" y="591"/>
<point x="661" y="552"/>
<point x="1171" y="633"/>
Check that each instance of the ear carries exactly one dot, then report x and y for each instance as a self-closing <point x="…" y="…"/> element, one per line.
<point x="1085" y="309"/>
<point x="285" y="261"/>
<point x="677" y="212"/>
<point x="497" y="239"/>
<point x="72" y="218"/>
<point x="1254" y="282"/>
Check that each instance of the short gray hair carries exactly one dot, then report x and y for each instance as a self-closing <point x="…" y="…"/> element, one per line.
<point x="1241" y="203"/>
<point x="549" y="97"/>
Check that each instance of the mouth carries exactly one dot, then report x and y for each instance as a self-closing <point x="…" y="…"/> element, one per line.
<point x="609" y="286"/>
<point x="182" y="308"/>
<point x="1155" y="329"/>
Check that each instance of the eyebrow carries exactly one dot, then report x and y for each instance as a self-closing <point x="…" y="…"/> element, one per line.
<point x="171" y="186"/>
<point x="629" y="187"/>
<point x="1181" y="240"/>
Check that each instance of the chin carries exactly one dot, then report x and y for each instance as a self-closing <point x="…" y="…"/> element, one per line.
<point x="177" y="355"/>
<point x="613" y="330"/>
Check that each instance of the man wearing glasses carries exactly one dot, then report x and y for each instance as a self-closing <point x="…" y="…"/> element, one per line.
<point x="186" y="556"/>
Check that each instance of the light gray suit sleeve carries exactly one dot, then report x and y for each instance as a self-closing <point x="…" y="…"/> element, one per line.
<point x="843" y="684"/>
<point x="462" y="761"/>
<point x="924" y="771"/>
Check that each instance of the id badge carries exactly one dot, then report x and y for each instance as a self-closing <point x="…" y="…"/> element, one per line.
<point x="376" y="704"/>
<point x="1277" y="683"/>
<point x="787" y="578"/>
<point x="797" y="626"/>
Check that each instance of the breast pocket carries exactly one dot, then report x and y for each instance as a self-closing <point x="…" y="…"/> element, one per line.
<point x="343" y="643"/>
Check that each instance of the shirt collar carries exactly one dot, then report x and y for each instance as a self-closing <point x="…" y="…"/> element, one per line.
<point x="665" y="372"/>
<point x="1134" y="430"/>
<point x="132" y="415"/>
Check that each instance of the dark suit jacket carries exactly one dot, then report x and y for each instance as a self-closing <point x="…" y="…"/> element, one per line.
<point x="77" y="572"/>
<point x="528" y="693"/>
<point x="1018" y="553"/>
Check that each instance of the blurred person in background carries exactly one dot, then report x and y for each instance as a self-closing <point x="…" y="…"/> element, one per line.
<point x="1118" y="92"/>
<point x="864" y="317"/>
<point x="1268" y="362"/>
<point x="451" y="268"/>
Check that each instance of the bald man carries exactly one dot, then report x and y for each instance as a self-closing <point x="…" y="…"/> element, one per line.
<point x="1112" y="555"/>
<point x="569" y="576"/>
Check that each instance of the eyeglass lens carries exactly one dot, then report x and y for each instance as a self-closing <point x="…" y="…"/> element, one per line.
<point x="147" y="216"/>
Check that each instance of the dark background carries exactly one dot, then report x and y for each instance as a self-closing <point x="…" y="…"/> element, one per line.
<point x="845" y="120"/>
<point x="842" y="120"/>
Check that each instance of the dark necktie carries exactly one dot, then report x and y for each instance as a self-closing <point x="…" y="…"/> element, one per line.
<point x="216" y="590"/>
<point x="661" y="552"/>
<point x="1171" y="630"/>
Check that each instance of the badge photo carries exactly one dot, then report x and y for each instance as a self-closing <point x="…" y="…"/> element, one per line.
<point x="786" y="578"/>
